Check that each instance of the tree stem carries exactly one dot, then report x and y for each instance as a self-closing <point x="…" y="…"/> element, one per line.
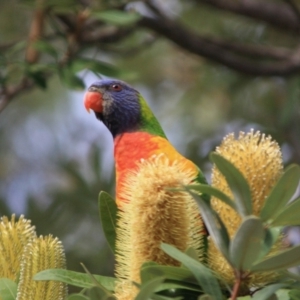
<point x="236" y="286"/>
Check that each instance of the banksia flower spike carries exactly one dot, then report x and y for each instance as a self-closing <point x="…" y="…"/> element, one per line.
<point x="14" y="236"/>
<point x="154" y="214"/>
<point x="259" y="159"/>
<point x="41" y="254"/>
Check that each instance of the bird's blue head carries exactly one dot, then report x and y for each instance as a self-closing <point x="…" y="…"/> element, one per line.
<point x="116" y="104"/>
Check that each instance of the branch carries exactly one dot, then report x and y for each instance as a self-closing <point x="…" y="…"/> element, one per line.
<point x="214" y="51"/>
<point x="277" y="14"/>
<point x="94" y="33"/>
<point x="236" y="287"/>
<point x="294" y="7"/>
<point x="31" y="56"/>
<point x="7" y="46"/>
<point x="35" y="33"/>
<point x="8" y="94"/>
<point x="253" y="51"/>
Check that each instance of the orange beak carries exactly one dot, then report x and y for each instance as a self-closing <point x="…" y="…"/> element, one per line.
<point x="94" y="101"/>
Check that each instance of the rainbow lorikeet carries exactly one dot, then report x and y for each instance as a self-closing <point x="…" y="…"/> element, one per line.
<point x="136" y="132"/>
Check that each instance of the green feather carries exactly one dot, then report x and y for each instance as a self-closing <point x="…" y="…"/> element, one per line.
<point x="148" y="121"/>
<point x="151" y="125"/>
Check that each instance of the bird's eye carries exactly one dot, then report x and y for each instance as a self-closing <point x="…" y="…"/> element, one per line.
<point x="116" y="87"/>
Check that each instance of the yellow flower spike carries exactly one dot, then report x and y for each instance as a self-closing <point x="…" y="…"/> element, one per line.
<point x="14" y="236"/>
<point x="154" y="214"/>
<point x="41" y="254"/>
<point x="259" y="159"/>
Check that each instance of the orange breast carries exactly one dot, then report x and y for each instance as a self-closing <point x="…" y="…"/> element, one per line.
<point x="130" y="148"/>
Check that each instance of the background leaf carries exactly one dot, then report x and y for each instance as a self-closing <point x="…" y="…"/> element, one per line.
<point x="289" y="215"/>
<point x="117" y="17"/>
<point x="108" y="214"/>
<point x="215" y="226"/>
<point x="45" y="47"/>
<point x="281" y="193"/>
<point x="267" y="291"/>
<point x="77" y="297"/>
<point x="203" y="275"/>
<point x="96" y="293"/>
<point x="294" y="294"/>
<point x="70" y="79"/>
<point x="271" y="236"/>
<point x="169" y="272"/>
<point x="191" y="252"/>
<point x="95" y="66"/>
<point x="8" y="289"/>
<point x="147" y="289"/>
<point x="246" y="244"/>
<point x="282" y="260"/>
<point x="237" y="184"/>
<point x="206" y="189"/>
<point x="75" y="278"/>
<point x="205" y="297"/>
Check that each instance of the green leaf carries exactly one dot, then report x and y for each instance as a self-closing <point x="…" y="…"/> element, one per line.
<point x="117" y="17"/>
<point x="175" y="277"/>
<point x="271" y="236"/>
<point x="214" y="225"/>
<point x="289" y="215"/>
<point x="149" y="272"/>
<point x="150" y="264"/>
<point x="39" y="78"/>
<point x="17" y="47"/>
<point x="246" y="245"/>
<point x="63" y="7"/>
<point x="281" y="193"/>
<point x="191" y="252"/>
<point x="98" y="288"/>
<point x="237" y="184"/>
<point x="75" y="278"/>
<point x="206" y="189"/>
<point x="282" y="260"/>
<point x="77" y="297"/>
<point x="205" y="297"/>
<point x="294" y="294"/>
<point x="8" y="289"/>
<point x="292" y="275"/>
<point x="108" y="214"/>
<point x="45" y="47"/>
<point x="203" y="275"/>
<point x="149" y="288"/>
<point x="159" y="297"/>
<point x="267" y="291"/>
<point x="96" y="293"/>
<point x="95" y="66"/>
<point x="168" y="285"/>
<point x="70" y="79"/>
<point x="283" y="294"/>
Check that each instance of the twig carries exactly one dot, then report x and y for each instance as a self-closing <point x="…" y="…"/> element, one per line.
<point x="35" y="33"/>
<point x="274" y="13"/>
<point x="258" y="51"/>
<point x="196" y="44"/>
<point x="295" y="8"/>
<point x="10" y="92"/>
<point x="237" y="284"/>
<point x="31" y="56"/>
